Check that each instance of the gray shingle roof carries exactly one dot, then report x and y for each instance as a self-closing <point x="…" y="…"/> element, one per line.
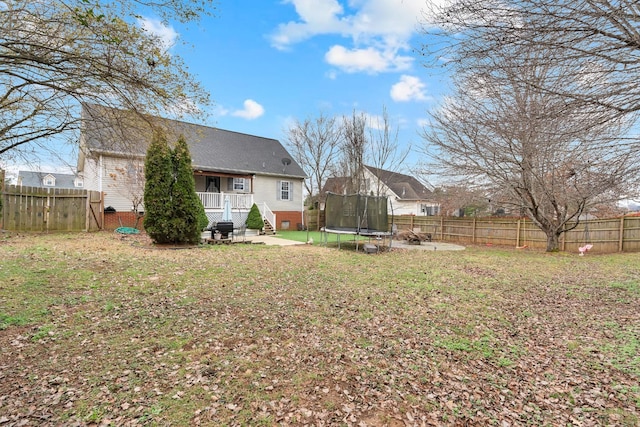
<point x="117" y="132"/>
<point x="34" y="179"/>
<point x="404" y="186"/>
<point x="335" y="184"/>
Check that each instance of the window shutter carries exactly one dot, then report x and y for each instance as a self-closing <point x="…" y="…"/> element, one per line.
<point x="291" y="190"/>
<point x="279" y="190"/>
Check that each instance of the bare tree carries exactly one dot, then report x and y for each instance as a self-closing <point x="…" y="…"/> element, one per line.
<point x="315" y="143"/>
<point x="508" y="130"/>
<point x="55" y="55"/>
<point x="354" y="147"/>
<point x="453" y="198"/>
<point x="325" y="147"/>
<point x="384" y="152"/>
<point x="602" y="36"/>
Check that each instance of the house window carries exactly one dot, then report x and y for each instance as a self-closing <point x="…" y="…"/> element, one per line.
<point x="135" y="173"/>
<point x="285" y="190"/>
<point x="49" y="181"/>
<point x="79" y="183"/>
<point x="429" y="210"/>
<point x="236" y="184"/>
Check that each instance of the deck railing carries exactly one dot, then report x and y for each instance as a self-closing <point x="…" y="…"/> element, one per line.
<point x="216" y="200"/>
<point x="268" y="215"/>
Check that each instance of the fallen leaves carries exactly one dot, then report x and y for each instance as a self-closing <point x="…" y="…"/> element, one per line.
<point x="308" y="336"/>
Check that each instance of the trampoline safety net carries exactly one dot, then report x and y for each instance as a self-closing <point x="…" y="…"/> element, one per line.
<point x="356" y="212"/>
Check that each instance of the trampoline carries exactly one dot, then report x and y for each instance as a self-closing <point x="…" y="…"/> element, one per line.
<point x="356" y="215"/>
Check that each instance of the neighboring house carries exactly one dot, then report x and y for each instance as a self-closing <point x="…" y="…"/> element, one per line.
<point x="243" y="169"/>
<point x="49" y="180"/>
<point x="406" y="195"/>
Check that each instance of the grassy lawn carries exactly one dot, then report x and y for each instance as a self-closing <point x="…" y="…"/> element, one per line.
<point x="105" y="329"/>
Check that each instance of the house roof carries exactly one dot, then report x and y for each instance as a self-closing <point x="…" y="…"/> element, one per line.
<point x="34" y="179"/>
<point x="121" y="133"/>
<point x="335" y="184"/>
<point x="405" y="187"/>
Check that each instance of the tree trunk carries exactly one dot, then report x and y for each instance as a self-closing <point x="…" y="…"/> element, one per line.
<point x="553" y="241"/>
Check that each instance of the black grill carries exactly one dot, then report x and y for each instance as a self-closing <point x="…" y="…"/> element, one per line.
<point x="224" y="228"/>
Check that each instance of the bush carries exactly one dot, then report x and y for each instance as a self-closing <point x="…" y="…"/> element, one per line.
<point x="254" y="219"/>
<point x="203" y="219"/>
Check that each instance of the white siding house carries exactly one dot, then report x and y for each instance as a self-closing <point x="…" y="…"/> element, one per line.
<point x="244" y="169"/>
<point x="405" y="194"/>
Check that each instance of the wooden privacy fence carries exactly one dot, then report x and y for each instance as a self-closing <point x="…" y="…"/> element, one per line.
<point x="51" y="209"/>
<point x="606" y="235"/>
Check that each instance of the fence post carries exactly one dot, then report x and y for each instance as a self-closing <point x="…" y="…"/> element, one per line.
<point x="621" y="231"/>
<point x="518" y="234"/>
<point x="3" y="206"/>
<point x="473" y="237"/>
<point x="441" y="228"/>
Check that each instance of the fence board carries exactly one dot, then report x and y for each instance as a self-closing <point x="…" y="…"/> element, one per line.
<point x="95" y="214"/>
<point x="50" y="209"/>
<point x="606" y="235"/>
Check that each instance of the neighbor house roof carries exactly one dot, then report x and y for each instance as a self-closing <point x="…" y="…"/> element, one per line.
<point x="405" y="187"/>
<point x="35" y="179"/>
<point x="335" y="184"/>
<point x="117" y="132"/>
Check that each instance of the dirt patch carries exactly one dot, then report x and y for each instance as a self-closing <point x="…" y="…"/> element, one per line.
<point x="426" y="246"/>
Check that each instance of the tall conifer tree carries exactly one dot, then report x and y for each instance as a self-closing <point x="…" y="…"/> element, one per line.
<point x="174" y="213"/>
<point x="159" y="178"/>
<point x="187" y="207"/>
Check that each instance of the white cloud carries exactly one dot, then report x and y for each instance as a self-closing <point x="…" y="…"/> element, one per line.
<point x="219" y="110"/>
<point x="252" y="110"/>
<point x="331" y="74"/>
<point x="375" y="122"/>
<point x="378" y="29"/>
<point x="368" y="60"/>
<point x="423" y="123"/>
<point x="391" y="20"/>
<point x="167" y="35"/>
<point x="316" y="17"/>
<point x="409" y="88"/>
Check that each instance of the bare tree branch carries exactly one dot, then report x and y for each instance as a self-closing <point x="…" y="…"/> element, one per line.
<point x="315" y="144"/>
<point x="507" y="130"/>
<point x="55" y="55"/>
<point x="602" y="36"/>
<point x="354" y="147"/>
<point x="384" y="152"/>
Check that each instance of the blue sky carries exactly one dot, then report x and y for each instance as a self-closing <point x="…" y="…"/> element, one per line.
<point x="269" y="62"/>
